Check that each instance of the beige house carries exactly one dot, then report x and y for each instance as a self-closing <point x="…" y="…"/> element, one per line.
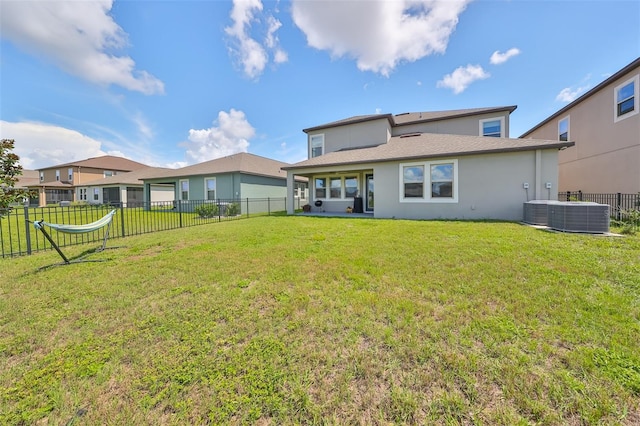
<point x="430" y="165"/>
<point x="604" y="123"/>
<point x="68" y="181"/>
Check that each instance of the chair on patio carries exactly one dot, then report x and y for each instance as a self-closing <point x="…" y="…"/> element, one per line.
<point x="77" y="229"/>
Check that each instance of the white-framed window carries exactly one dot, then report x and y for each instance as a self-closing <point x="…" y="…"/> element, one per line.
<point x="184" y="189"/>
<point x="350" y="186"/>
<point x="429" y="181"/>
<point x="492" y="127"/>
<point x="210" y="188"/>
<point x="96" y="194"/>
<point x="82" y="194"/>
<point x="316" y="143"/>
<point x="41" y="176"/>
<point x="57" y="175"/>
<point x="625" y="99"/>
<point x="320" y="186"/>
<point x="563" y="129"/>
<point x="70" y="174"/>
<point x="108" y="173"/>
<point x="336" y="187"/>
<point x="412" y="181"/>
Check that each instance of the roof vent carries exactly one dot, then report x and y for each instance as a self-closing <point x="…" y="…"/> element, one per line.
<point x="410" y="135"/>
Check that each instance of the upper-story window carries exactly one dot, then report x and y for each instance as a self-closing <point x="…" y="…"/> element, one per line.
<point x="57" y="175"/>
<point x="317" y="145"/>
<point x="493" y="127"/>
<point x="626" y="99"/>
<point x="563" y="129"/>
<point x="108" y="173"/>
<point x="70" y="174"/>
<point x="41" y="176"/>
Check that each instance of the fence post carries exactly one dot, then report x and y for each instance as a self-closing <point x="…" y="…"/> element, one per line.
<point x="180" y="212"/>
<point x="122" y="220"/>
<point x="268" y="206"/>
<point x="580" y="195"/>
<point x="568" y="196"/>
<point x="27" y="228"/>
<point x="247" y="206"/>
<point x="219" y="212"/>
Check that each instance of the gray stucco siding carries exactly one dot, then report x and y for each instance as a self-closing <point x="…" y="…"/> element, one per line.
<point x="489" y="187"/>
<point x="456" y="126"/>
<point x="354" y="135"/>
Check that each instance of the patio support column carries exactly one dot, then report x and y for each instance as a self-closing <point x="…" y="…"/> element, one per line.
<point x="290" y="192"/>
<point x="42" y="197"/>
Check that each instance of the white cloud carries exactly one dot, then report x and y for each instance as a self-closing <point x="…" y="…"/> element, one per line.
<point x="41" y="145"/>
<point x="378" y="34"/>
<point x="569" y="94"/>
<point x="499" y="58"/>
<point x="462" y="77"/>
<point x="79" y="37"/>
<point x="230" y="136"/>
<point x="250" y="53"/>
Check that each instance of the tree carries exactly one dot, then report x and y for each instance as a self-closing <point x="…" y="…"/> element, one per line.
<point x="10" y="169"/>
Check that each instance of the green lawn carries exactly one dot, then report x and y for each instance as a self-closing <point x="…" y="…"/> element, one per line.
<point x="301" y="320"/>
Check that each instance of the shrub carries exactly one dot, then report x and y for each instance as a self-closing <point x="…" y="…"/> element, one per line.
<point x="233" y="209"/>
<point x="207" y="210"/>
<point x="632" y="221"/>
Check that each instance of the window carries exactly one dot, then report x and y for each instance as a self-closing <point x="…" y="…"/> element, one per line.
<point x="96" y="194"/>
<point x="41" y="176"/>
<point x="317" y="145"/>
<point x="626" y="99"/>
<point x="108" y="173"/>
<point x="492" y="127"/>
<point x="563" y="129"/>
<point x="70" y="174"/>
<point x="413" y="181"/>
<point x="442" y="182"/>
<point x="83" y="194"/>
<point x="321" y="188"/>
<point x="184" y="190"/>
<point x="57" y="175"/>
<point x="335" y="187"/>
<point x="210" y="188"/>
<point x="350" y="187"/>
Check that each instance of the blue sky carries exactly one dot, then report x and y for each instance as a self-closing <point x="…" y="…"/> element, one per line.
<point x="173" y="83"/>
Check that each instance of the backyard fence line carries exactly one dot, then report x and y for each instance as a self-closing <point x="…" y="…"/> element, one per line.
<point x="620" y="203"/>
<point x="18" y="237"/>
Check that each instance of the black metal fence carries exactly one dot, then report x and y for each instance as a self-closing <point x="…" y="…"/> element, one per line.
<point x="19" y="237"/>
<point x="620" y="203"/>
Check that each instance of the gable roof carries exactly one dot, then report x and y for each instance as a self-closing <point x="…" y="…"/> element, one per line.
<point x="633" y="65"/>
<point x="428" y="145"/>
<point x="27" y="178"/>
<point x="106" y="162"/>
<point x="128" y="178"/>
<point x="413" y="117"/>
<point x="242" y="162"/>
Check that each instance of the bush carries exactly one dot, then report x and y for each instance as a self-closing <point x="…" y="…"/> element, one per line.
<point x="233" y="209"/>
<point x="207" y="210"/>
<point x="632" y="221"/>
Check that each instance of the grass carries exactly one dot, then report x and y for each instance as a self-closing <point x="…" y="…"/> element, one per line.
<point x="301" y="320"/>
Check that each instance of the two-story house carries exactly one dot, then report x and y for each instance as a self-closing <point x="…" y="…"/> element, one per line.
<point x="604" y="123"/>
<point x="448" y="164"/>
<point x="70" y="181"/>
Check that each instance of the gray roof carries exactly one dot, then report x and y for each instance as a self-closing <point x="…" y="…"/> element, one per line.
<point x="633" y="65"/>
<point x="241" y="162"/>
<point x="105" y="162"/>
<point x="428" y="145"/>
<point x="413" y="117"/>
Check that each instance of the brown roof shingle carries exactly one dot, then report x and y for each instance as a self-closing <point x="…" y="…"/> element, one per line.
<point x="105" y="162"/>
<point x="428" y="145"/>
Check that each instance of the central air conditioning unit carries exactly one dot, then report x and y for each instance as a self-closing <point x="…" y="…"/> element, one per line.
<point x="536" y="212"/>
<point x="571" y="216"/>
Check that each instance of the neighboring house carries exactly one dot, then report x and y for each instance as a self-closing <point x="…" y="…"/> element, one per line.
<point x="27" y="179"/>
<point x="64" y="182"/>
<point x="425" y="167"/>
<point x="235" y="177"/>
<point x="125" y="189"/>
<point x="604" y="123"/>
